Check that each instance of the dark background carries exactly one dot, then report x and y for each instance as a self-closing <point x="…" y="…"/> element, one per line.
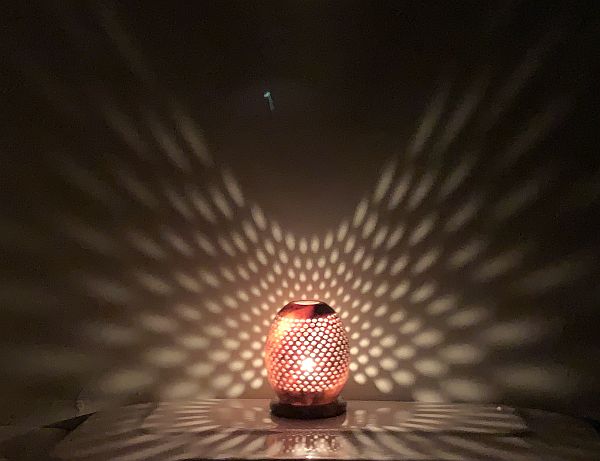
<point x="463" y="135"/>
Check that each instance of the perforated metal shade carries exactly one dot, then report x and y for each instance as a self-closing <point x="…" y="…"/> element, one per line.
<point x="307" y="354"/>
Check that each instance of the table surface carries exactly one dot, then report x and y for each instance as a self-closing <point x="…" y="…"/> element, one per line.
<point x="370" y="430"/>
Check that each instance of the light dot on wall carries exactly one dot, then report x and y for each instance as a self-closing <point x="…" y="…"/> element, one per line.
<point x="371" y="371"/>
<point x="404" y="352"/>
<point x="180" y="390"/>
<point x="165" y="357"/>
<point x="403" y="377"/>
<point x="360" y="378"/>
<point x="428" y="338"/>
<point x="194" y="341"/>
<point x="461" y="354"/>
<point x="124" y="381"/>
<point x="428" y="395"/>
<point x="431" y="368"/>
<point x="376" y="332"/>
<point x="222" y="381"/>
<point x="384" y="385"/>
<point x="236" y="365"/>
<point x="388" y="341"/>
<point x="388" y="364"/>
<point x="201" y="369"/>
<point x="158" y="323"/>
<point x="397" y="316"/>
<point x="235" y="390"/>
<point x="376" y="351"/>
<point x="220" y="356"/>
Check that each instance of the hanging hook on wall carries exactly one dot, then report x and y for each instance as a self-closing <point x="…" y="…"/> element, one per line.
<point x="269" y="98"/>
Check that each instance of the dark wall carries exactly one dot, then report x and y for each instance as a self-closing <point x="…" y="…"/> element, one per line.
<point x="429" y="170"/>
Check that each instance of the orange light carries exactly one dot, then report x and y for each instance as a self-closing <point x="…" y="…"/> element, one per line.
<point x="307" y="355"/>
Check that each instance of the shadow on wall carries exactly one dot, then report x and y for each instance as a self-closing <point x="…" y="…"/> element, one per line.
<point x="136" y="267"/>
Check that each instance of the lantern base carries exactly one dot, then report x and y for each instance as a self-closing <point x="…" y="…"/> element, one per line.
<point x="328" y="410"/>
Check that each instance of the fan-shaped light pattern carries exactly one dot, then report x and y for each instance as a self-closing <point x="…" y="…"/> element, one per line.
<point x="306" y="354"/>
<point x="425" y="272"/>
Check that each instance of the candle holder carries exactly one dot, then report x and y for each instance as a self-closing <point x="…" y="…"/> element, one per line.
<point x="306" y="357"/>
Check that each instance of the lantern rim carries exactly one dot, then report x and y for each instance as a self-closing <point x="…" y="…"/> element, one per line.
<point x="306" y="308"/>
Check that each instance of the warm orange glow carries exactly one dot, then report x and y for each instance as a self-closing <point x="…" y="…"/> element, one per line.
<point x="306" y="354"/>
<point x="308" y="365"/>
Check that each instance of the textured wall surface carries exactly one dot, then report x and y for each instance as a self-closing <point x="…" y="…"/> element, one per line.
<point x="431" y="172"/>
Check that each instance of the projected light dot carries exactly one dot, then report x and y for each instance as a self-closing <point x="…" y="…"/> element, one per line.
<point x="403" y="377"/>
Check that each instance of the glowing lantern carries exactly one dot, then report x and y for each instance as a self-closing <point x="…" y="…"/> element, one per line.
<point x="307" y="356"/>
